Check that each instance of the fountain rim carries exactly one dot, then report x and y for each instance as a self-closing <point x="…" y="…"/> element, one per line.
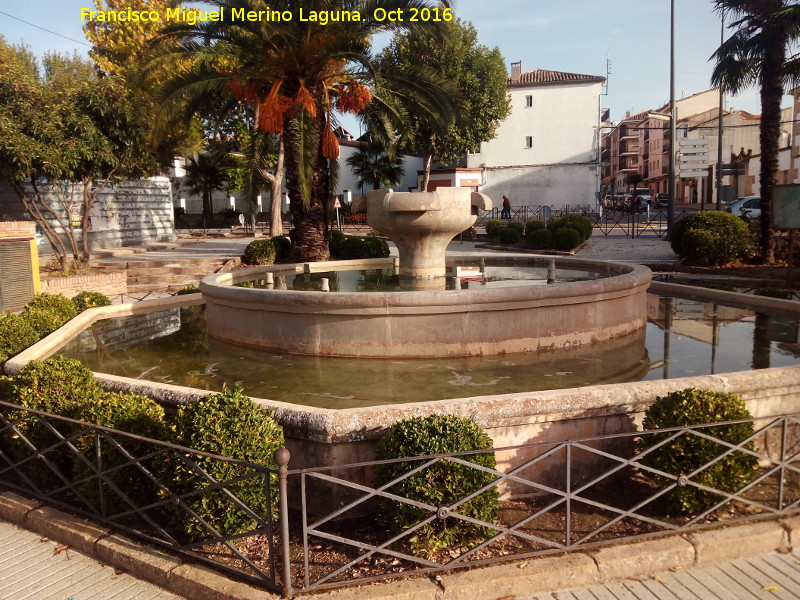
<point x="622" y="278"/>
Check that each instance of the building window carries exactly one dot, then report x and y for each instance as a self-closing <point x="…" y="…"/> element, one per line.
<point x="528" y="101"/>
<point x="529" y="141"/>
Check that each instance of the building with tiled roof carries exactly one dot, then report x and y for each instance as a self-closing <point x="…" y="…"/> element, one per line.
<point x="545" y="152"/>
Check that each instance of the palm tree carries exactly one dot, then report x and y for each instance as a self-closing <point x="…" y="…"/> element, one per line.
<point x="759" y="53"/>
<point x="204" y="176"/>
<point x="374" y="166"/>
<point x="295" y="75"/>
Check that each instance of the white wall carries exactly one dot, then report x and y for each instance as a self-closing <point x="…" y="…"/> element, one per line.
<point x="560" y="167"/>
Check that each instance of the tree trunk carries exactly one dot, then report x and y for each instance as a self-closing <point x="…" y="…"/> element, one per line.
<point x="771" y="96"/>
<point x="309" y="233"/>
<point x="208" y="209"/>
<point x="426" y="174"/>
<point x="275" y="204"/>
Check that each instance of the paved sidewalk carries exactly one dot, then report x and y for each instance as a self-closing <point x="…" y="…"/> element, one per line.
<point x="35" y="568"/>
<point x="774" y="576"/>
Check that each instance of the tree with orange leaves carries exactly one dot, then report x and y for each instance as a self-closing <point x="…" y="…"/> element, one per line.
<point x="296" y="76"/>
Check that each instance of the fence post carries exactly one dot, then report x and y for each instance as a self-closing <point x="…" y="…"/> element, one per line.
<point x="281" y="457"/>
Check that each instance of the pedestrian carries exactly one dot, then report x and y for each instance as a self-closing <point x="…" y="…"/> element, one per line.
<point x="506" y="213"/>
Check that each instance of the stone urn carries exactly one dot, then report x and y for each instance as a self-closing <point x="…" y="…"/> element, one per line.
<point x="422" y="224"/>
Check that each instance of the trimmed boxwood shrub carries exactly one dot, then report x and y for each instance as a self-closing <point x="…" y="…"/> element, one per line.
<point x="509" y="235"/>
<point x="566" y="238"/>
<point x="493" y="227"/>
<point x="56" y="303"/>
<point x="231" y="425"/>
<point x="260" y="252"/>
<point x="16" y="334"/>
<point x="87" y="299"/>
<point x="57" y="385"/>
<point x="376" y="247"/>
<point x="518" y="226"/>
<point x="539" y="239"/>
<point x="133" y="414"/>
<point x="582" y="224"/>
<point x="712" y="237"/>
<point x="283" y="247"/>
<point x="772" y="292"/>
<point x="689" y="452"/>
<point x="532" y="226"/>
<point x="440" y="484"/>
<point x="337" y="239"/>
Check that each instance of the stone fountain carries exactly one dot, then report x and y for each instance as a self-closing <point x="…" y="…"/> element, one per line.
<point x="430" y="321"/>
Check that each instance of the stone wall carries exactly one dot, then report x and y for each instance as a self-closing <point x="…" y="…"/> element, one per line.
<point x="127" y="214"/>
<point x="111" y="284"/>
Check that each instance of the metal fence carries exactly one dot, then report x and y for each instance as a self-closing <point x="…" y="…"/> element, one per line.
<point x="554" y="496"/>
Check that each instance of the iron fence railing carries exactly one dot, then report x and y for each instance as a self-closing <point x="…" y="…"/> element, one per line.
<point x="326" y="530"/>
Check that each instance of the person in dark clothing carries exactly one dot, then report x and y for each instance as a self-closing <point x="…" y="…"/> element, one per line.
<point x="506" y="212"/>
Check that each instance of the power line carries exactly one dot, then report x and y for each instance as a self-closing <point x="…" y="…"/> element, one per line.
<point x="43" y="29"/>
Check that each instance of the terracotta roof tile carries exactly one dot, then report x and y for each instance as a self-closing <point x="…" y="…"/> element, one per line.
<point x="541" y="76"/>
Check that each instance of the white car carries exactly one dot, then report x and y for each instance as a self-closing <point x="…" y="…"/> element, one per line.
<point x="746" y="206"/>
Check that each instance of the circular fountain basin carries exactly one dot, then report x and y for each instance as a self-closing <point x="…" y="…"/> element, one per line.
<point x="427" y="324"/>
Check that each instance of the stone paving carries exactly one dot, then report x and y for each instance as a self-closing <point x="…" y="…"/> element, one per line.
<point x="35" y="568"/>
<point x="774" y="575"/>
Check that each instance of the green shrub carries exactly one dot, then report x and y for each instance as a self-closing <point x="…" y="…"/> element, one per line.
<point x="56" y="303"/>
<point x="87" y="299"/>
<point x="337" y="239"/>
<point x="539" y="239"/>
<point x="352" y="248"/>
<point x="579" y="222"/>
<point x="518" y="226"/>
<point x="508" y="235"/>
<point x="441" y="484"/>
<point x="566" y="238"/>
<point x="57" y="385"/>
<point x="376" y="247"/>
<point x="188" y="289"/>
<point x="231" y="425"/>
<point x="712" y="237"/>
<point x="283" y="247"/>
<point x="689" y="452"/>
<point x="260" y="252"/>
<point x="493" y="228"/>
<point x="773" y="292"/>
<point x="133" y="414"/>
<point x="16" y="333"/>
<point x="532" y="226"/>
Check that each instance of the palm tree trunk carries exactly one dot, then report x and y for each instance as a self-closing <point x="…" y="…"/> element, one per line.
<point x="276" y="216"/>
<point x="309" y="233"/>
<point x="771" y="96"/>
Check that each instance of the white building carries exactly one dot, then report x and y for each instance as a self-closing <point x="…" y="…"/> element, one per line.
<point x="545" y="152"/>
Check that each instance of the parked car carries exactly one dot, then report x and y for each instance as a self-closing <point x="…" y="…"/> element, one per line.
<point x="644" y="194"/>
<point x="662" y="200"/>
<point x="746" y="206"/>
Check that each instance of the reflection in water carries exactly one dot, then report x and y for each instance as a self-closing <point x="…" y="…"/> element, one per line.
<point x="684" y="337"/>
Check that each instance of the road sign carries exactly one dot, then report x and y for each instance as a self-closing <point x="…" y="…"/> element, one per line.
<point x="686" y="142"/>
<point x="732" y="169"/>
<point x="693" y="173"/>
<point x="337" y="204"/>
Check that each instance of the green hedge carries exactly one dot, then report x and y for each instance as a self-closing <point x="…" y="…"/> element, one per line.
<point x="441" y="484"/>
<point x="351" y="247"/>
<point x="283" y="247"/>
<point x="260" y="252"/>
<point x="493" y="227"/>
<point x="540" y="239"/>
<point x="712" y="237"/>
<point x="532" y="226"/>
<point x="87" y="299"/>
<point x="509" y="235"/>
<point x="17" y="332"/>
<point x="689" y="452"/>
<point x="231" y="425"/>
<point x="566" y="238"/>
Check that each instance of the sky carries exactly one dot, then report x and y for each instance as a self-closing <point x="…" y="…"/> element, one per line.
<point x="580" y="36"/>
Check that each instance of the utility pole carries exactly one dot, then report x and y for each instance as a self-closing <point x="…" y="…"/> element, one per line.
<point x="719" y="128"/>
<point x="672" y="135"/>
